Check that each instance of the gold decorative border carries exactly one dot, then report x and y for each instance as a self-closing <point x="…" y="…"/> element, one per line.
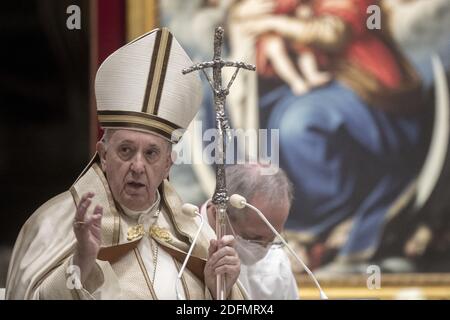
<point x="144" y="271"/>
<point x="141" y="17"/>
<point x="392" y="286"/>
<point x="122" y="119"/>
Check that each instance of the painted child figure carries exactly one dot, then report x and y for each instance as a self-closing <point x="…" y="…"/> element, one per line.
<point x="273" y="56"/>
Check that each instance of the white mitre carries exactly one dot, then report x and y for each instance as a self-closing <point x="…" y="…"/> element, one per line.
<point x="140" y="87"/>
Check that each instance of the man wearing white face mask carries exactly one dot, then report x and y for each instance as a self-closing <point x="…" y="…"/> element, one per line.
<point x="266" y="272"/>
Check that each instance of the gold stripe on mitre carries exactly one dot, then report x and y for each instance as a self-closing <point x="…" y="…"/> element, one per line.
<point x="141" y="121"/>
<point x="157" y="72"/>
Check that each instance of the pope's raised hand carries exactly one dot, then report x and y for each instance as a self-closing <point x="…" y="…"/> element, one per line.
<point x="87" y="229"/>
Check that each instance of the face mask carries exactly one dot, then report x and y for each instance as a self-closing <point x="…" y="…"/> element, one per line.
<point x="249" y="252"/>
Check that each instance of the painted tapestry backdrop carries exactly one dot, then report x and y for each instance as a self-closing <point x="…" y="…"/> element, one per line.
<point x="358" y="92"/>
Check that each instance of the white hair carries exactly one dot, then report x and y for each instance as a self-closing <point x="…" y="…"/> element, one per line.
<point x="248" y="181"/>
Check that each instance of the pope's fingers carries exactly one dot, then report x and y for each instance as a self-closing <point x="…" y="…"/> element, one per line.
<point x="227" y="269"/>
<point x="227" y="240"/>
<point x="222" y="252"/>
<point x="81" y="212"/>
<point x="96" y="216"/>
<point x="212" y="247"/>
<point x="86" y="196"/>
<point x="84" y="204"/>
<point x="226" y="260"/>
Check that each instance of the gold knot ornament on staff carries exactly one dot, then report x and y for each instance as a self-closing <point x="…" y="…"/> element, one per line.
<point x="220" y="197"/>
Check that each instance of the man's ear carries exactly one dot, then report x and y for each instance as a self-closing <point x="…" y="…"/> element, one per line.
<point x="101" y="149"/>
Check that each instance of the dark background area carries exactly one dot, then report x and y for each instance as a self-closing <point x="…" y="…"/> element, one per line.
<point x="44" y="108"/>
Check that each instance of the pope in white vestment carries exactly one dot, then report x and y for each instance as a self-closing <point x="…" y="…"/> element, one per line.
<point x="141" y="93"/>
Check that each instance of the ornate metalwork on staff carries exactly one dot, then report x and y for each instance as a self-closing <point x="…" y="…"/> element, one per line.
<point x="220" y="197"/>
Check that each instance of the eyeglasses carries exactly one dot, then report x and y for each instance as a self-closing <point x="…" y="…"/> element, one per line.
<point x="272" y="244"/>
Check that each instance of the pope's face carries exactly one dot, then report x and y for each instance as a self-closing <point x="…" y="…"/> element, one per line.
<point x="135" y="164"/>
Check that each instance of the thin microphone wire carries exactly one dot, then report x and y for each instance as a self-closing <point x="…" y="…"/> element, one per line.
<point x="180" y="273"/>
